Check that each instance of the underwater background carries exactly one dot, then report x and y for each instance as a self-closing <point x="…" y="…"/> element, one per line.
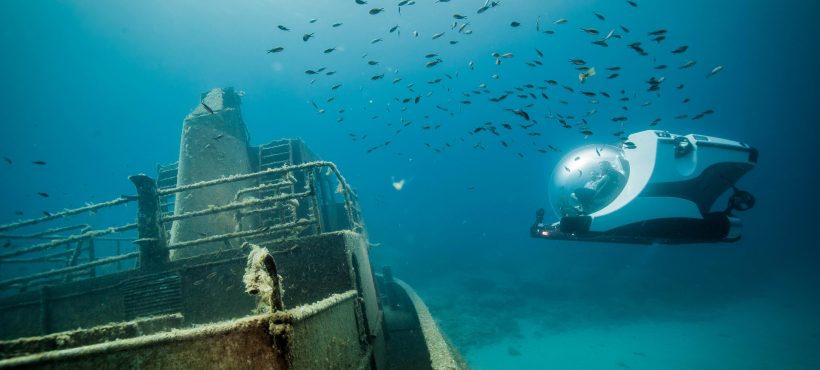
<point x="98" y="90"/>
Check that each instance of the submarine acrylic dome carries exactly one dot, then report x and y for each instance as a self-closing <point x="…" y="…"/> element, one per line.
<point x="587" y="179"/>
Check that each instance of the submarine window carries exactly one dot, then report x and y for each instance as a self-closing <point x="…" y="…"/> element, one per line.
<point x="588" y="179"/>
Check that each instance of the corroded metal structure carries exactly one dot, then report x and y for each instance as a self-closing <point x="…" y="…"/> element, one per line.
<point x="284" y="282"/>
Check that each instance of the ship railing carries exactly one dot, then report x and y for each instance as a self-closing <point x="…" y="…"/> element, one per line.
<point x="153" y="246"/>
<point x="80" y="241"/>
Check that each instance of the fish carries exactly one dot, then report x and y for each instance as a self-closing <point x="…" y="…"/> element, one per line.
<point x="42" y="194"/>
<point x="614" y="75"/>
<point x="520" y="113"/>
<point x="377" y="77"/>
<point x="435" y="36"/>
<point x="459" y="16"/>
<point x="577" y="62"/>
<point x="217" y="137"/>
<point x="599" y="16"/>
<point x="375" y="11"/>
<point x="659" y="38"/>
<point x="39" y="163"/>
<point x="540" y="54"/>
<point x="7" y="160"/>
<point x="312" y="20"/>
<point x="211" y="111"/>
<point x="514" y="24"/>
<point x="657" y="32"/>
<point x="584" y="75"/>
<point x="714" y="71"/>
<point x="307" y="36"/>
<point x="560" y="21"/>
<point x="283" y="28"/>
<point x="329" y="50"/>
<point x="630" y="2"/>
<point x="590" y="31"/>
<point x="398" y="185"/>
<point x="394" y="28"/>
<point x="336" y="86"/>
<point x="680" y="49"/>
<point x="372" y="62"/>
<point x="689" y="63"/>
<point x="433" y="63"/>
<point x="276" y="50"/>
<point x="600" y="43"/>
<point x="660" y="66"/>
<point x="376" y="40"/>
<point x="7" y="244"/>
<point x="361" y="2"/>
<point x="626" y="30"/>
<point x="334" y="25"/>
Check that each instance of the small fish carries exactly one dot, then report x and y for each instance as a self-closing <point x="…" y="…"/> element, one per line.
<point x="307" y="36"/>
<point x="560" y="21"/>
<point x="689" y="63"/>
<point x="7" y="160"/>
<point x="394" y="28"/>
<point x="514" y="24"/>
<point x="433" y="63"/>
<point x="459" y="16"/>
<point x="217" y="137"/>
<point x="276" y="50"/>
<point x="630" y="2"/>
<point x="329" y="50"/>
<point x="626" y="30"/>
<point x="630" y="145"/>
<point x="361" y="2"/>
<point x="599" y="16"/>
<point x="714" y="71"/>
<point x="680" y="49"/>
<point x="372" y="62"/>
<point x="377" y="77"/>
<point x="211" y="111"/>
<point x="398" y="185"/>
<point x="435" y="36"/>
<point x="375" y="11"/>
<point x="336" y="25"/>
<point x="375" y="41"/>
<point x="39" y="163"/>
<point x="312" y="20"/>
<point x="283" y="28"/>
<point x="658" y="32"/>
<point x="7" y="244"/>
<point x="42" y="194"/>
<point x="590" y="31"/>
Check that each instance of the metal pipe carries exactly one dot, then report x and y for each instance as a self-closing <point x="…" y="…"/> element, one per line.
<point x="68" y="212"/>
<point x="240" y="234"/>
<point x="70" y="239"/>
<point x="67" y="270"/>
<point x="235" y="206"/>
<point x="245" y="176"/>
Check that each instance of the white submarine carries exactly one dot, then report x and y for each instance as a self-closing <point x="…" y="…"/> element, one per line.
<point x="656" y="188"/>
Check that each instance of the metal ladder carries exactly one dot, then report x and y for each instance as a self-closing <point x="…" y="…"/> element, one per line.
<point x="274" y="155"/>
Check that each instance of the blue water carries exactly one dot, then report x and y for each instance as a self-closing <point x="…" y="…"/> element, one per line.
<point x="98" y="90"/>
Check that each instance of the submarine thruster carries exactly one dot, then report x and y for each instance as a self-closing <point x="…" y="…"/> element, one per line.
<point x="657" y="187"/>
